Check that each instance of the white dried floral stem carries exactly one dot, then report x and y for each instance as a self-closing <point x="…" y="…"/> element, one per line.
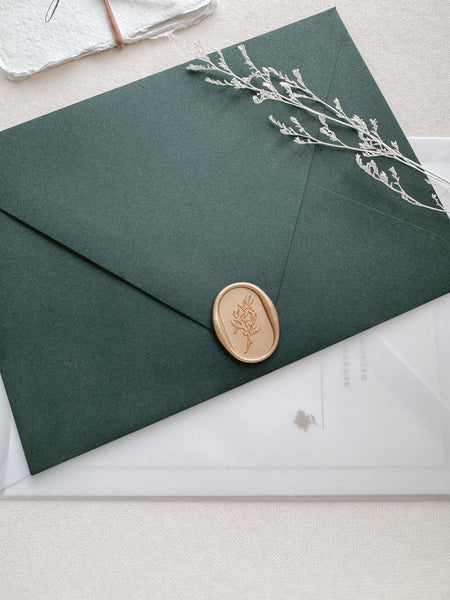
<point x="311" y="96"/>
<point x="279" y="97"/>
<point x="371" y="145"/>
<point x="312" y="140"/>
<point x="418" y="167"/>
<point x="391" y="152"/>
<point x="371" y="169"/>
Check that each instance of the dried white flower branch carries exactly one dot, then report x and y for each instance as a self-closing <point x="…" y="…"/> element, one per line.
<point x="266" y="83"/>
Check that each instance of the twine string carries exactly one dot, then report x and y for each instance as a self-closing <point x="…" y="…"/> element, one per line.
<point x="118" y="39"/>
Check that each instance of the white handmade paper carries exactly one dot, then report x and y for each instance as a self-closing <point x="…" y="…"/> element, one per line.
<point x="78" y="27"/>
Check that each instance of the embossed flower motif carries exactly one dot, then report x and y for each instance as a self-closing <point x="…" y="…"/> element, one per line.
<point x="244" y="320"/>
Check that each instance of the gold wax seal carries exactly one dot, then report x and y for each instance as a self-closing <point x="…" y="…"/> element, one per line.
<point x="246" y="322"/>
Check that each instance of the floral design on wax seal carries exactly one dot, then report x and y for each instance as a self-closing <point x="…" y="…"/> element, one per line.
<point x="246" y="322"/>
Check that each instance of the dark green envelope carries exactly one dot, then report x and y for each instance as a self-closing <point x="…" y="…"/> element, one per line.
<point x="124" y="215"/>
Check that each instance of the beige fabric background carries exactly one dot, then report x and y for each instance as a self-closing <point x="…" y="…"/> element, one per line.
<point x="79" y="549"/>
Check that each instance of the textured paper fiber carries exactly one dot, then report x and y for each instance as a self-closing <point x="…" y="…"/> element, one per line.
<point x="28" y="44"/>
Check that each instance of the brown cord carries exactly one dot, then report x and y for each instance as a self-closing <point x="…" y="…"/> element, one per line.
<point x="118" y="39"/>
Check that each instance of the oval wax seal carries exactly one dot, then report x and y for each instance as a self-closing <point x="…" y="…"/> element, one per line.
<point x="246" y="322"/>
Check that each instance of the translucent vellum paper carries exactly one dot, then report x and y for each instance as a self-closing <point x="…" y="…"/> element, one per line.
<point x="368" y="416"/>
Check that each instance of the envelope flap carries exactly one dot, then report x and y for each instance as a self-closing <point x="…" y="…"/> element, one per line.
<point x="337" y="172"/>
<point x="180" y="188"/>
<point x="169" y="183"/>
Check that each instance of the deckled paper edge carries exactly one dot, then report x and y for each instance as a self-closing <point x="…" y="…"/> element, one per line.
<point x="164" y="28"/>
